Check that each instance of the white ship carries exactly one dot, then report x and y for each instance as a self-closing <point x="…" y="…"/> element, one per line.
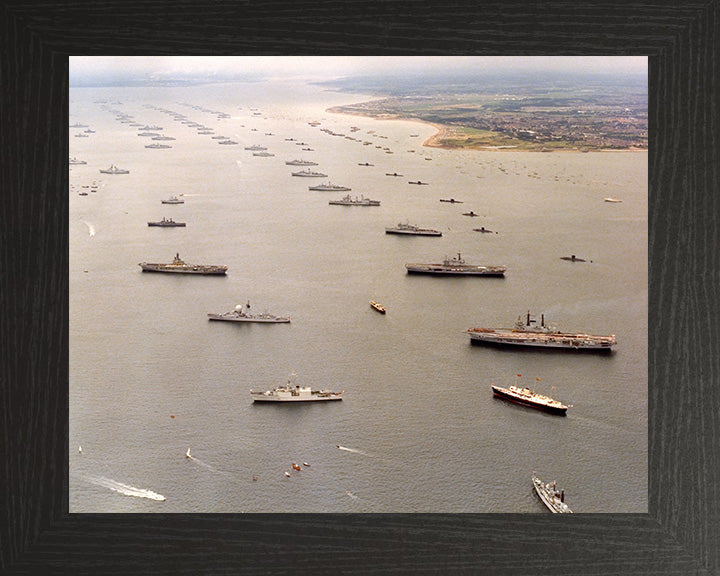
<point x="295" y="393"/>
<point x="242" y="314"/>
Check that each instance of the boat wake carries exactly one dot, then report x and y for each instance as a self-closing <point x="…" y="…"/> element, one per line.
<point x="124" y="488"/>
<point x="351" y="494"/>
<point x="353" y="450"/>
<point x="91" y="228"/>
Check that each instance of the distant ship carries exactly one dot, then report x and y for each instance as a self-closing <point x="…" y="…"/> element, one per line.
<point x="348" y="201"/>
<point x="240" y="314"/>
<point x="177" y="266"/>
<point x="157" y="146"/>
<point x="609" y="199"/>
<point x="365" y="164"/>
<point x="456" y="266"/>
<point x="78" y="125"/>
<point x="393" y="174"/>
<point x="166" y="223"/>
<point x="527" y="333"/>
<point x="451" y="200"/>
<point x="81" y="135"/>
<point x="296" y="393"/>
<point x="330" y="187"/>
<point x="301" y="163"/>
<point x="227" y="142"/>
<point x="379" y="307"/>
<point x="409" y="229"/>
<point x="75" y="162"/>
<point x="173" y="200"/>
<point x="151" y="128"/>
<point x="149" y="134"/>
<point x="255" y="148"/>
<point x="471" y="213"/>
<point x="115" y="170"/>
<point x="527" y="397"/>
<point x="572" y="258"/>
<point x="263" y="154"/>
<point x="419" y="182"/>
<point x="553" y="498"/>
<point x="163" y="138"/>
<point x="310" y="173"/>
<point x="483" y="230"/>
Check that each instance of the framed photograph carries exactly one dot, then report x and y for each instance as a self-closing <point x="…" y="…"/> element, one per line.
<point x="300" y="310"/>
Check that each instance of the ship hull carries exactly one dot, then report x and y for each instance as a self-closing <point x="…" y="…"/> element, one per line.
<point x="201" y="270"/>
<point x="443" y="271"/>
<point x="499" y="393"/>
<point x="561" y="341"/>
<point x="413" y="233"/>
<point x="260" y="397"/>
<point x="166" y="225"/>
<point x="222" y="318"/>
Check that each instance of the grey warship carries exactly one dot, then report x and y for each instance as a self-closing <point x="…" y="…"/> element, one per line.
<point x="178" y="266"/>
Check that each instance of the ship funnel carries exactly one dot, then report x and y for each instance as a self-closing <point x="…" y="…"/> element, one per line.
<point x="562" y="495"/>
<point x="238" y="308"/>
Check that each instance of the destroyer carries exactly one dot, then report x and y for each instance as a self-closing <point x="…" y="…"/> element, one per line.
<point x="527" y="333"/>
<point x="456" y="267"/>
<point x="310" y="174"/>
<point x="115" y="170"/>
<point x="177" y="266"/>
<point x="295" y="393"/>
<point x="348" y="201"/>
<point x="412" y="230"/>
<point x="75" y="162"/>
<point x="167" y="223"/>
<point x="330" y="187"/>
<point x="553" y="498"/>
<point x="301" y="163"/>
<point x="242" y="314"/>
<point x="173" y="200"/>
<point x="527" y="397"/>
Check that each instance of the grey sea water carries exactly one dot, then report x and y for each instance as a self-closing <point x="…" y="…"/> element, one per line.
<point x="418" y="429"/>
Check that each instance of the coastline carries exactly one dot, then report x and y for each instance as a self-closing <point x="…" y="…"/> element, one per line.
<point x="445" y="132"/>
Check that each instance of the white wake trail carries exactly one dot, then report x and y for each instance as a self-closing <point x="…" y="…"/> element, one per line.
<point x="124" y="488"/>
<point x="91" y="228"/>
<point x="353" y="450"/>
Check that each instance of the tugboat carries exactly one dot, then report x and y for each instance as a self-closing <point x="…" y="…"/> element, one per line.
<point x="527" y="333"/>
<point x="240" y="315"/>
<point x="348" y="201"/>
<point x="553" y="498"/>
<point x="169" y="223"/>
<point x="409" y="229"/>
<point x="115" y="170"/>
<point x="177" y="266"/>
<point x="456" y="267"/>
<point x="329" y="187"/>
<point x="527" y="397"/>
<point x="295" y="393"/>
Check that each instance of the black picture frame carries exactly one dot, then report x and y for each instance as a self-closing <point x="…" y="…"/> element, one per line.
<point x="680" y="534"/>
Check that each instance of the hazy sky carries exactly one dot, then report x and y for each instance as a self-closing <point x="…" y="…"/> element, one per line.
<point x="334" y="66"/>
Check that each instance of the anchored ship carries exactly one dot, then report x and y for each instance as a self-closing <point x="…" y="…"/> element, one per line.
<point x="173" y="200"/>
<point x="177" y="266"/>
<point x="75" y="162"/>
<point x="242" y="314"/>
<point x="527" y="333"/>
<point x="348" y="201"/>
<point x="256" y="148"/>
<point x="157" y="146"/>
<point x="330" y="187"/>
<point x="301" y="163"/>
<point x="412" y="230"/>
<point x="295" y="393"/>
<point x="115" y="170"/>
<point x="310" y="174"/>
<point x="527" y="397"/>
<point x="457" y="267"/>
<point x="553" y="498"/>
<point x="168" y="223"/>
